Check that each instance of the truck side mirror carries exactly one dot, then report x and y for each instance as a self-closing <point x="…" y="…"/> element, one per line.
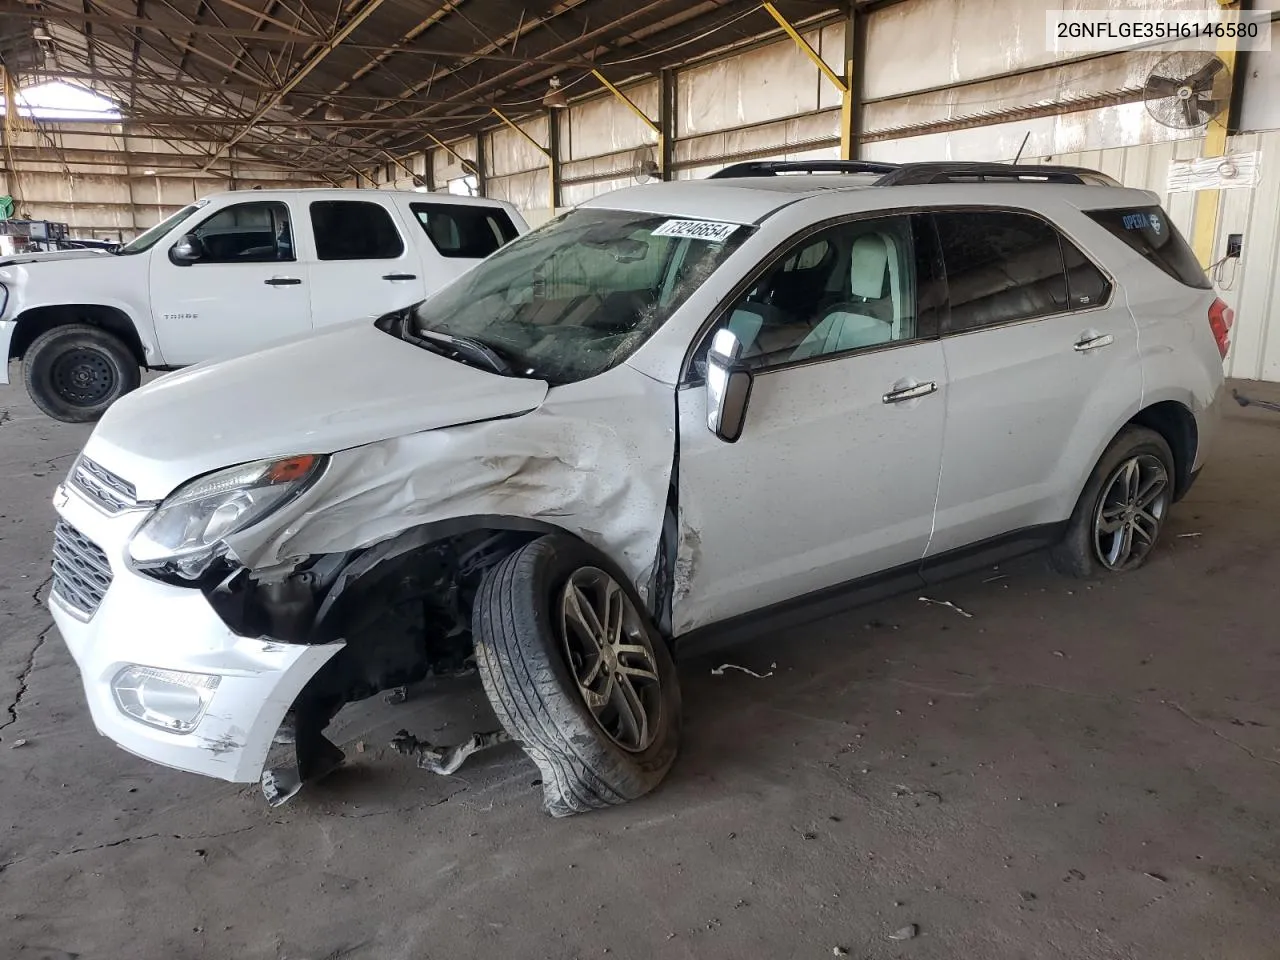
<point x="186" y="251"/>
<point x="728" y="387"/>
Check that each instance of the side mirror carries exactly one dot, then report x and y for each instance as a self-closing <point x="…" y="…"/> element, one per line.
<point x="728" y="387"/>
<point x="186" y="251"/>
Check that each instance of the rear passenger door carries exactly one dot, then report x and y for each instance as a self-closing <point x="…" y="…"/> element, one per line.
<point x="458" y="236"/>
<point x="1042" y="358"/>
<point x="363" y="265"/>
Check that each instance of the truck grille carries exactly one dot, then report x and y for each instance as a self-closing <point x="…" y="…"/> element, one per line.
<point x="113" y="494"/>
<point x="81" y="573"/>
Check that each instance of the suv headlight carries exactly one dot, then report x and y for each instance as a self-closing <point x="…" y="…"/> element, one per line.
<point x="185" y="532"/>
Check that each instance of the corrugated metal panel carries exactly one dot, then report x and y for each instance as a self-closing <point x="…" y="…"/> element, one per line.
<point x="771" y="82"/>
<point x="605" y="125"/>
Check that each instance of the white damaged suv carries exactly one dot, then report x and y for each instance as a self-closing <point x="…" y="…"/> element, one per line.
<point x="677" y="411"/>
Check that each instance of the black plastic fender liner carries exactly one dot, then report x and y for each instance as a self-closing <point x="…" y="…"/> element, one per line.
<point x="416" y="538"/>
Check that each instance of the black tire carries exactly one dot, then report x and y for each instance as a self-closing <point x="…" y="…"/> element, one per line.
<point x="75" y="372"/>
<point x="524" y="663"/>
<point x="1081" y="551"/>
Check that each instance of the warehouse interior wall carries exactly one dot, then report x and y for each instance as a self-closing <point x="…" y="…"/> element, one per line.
<point x="982" y="85"/>
<point x="107" y="182"/>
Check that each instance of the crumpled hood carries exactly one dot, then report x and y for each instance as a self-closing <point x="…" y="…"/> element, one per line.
<point x="334" y="390"/>
<point x="42" y="255"/>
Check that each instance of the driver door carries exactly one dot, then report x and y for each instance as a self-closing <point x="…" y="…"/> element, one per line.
<point x="246" y="288"/>
<point x="835" y="474"/>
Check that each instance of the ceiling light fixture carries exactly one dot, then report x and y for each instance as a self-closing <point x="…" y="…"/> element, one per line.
<point x="555" y="98"/>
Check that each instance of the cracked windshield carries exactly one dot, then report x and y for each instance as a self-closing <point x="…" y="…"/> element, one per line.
<point x="580" y="295"/>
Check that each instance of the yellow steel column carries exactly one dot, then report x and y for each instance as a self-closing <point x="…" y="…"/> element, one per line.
<point x="843" y="84"/>
<point x="1205" y="219"/>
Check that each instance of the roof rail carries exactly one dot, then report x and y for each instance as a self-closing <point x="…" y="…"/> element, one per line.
<point x="771" y="168"/>
<point x="949" y="172"/>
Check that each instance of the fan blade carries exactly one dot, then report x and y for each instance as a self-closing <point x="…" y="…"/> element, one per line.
<point x="1206" y="73"/>
<point x="1162" y="86"/>
<point x="1190" y="113"/>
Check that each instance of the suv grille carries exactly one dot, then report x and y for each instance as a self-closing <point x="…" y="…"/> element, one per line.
<point x="113" y="494"/>
<point x="81" y="573"/>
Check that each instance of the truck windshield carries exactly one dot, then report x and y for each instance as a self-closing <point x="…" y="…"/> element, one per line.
<point x="581" y="294"/>
<point x="145" y="241"/>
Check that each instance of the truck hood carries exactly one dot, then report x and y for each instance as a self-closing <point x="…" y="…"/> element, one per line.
<point x="334" y="390"/>
<point x="43" y="255"/>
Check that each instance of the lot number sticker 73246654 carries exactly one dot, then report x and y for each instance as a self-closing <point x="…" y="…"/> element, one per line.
<point x="709" y="230"/>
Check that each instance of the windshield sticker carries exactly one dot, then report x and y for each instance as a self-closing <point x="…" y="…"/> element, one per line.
<point x="697" y="230"/>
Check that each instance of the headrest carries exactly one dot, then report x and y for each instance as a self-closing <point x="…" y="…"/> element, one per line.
<point x="868" y="266"/>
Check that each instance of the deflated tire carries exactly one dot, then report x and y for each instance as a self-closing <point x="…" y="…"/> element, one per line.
<point x="577" y="674"/>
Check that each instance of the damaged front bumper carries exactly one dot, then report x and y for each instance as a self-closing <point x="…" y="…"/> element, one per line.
<point x="142" y="623"/>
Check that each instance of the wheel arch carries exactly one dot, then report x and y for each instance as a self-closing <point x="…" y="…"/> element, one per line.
<point x="35" y="321"/>
<point x="426" y="537"/>
<point x="1175" y="422"/>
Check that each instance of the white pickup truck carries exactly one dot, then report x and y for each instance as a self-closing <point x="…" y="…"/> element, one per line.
<point x="227" y="275"/>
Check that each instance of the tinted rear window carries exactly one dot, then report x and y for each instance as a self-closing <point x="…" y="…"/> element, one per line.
<point x="1150" y="232"/>
<point x="458" y="230"/>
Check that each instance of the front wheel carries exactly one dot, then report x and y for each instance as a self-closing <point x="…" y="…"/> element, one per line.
<point x="74" y="372"/>
<point x="577" y="674"/>
<point x="1122" y="510"/>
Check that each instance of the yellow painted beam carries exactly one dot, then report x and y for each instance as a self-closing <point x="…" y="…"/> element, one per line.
<point x="1204" y="224"/>
<point x="846" y="114"/>
<point x="841" y="84"/>
<point x="631" y="104"/>
<point x="551" y="169"/>
<point x="627" y="101"/>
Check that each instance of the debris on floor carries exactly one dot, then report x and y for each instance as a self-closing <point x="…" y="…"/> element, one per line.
<point x="905" y="933"/>
<point x="446" y="760"/>
<point x="1187" y="536"/>
<point x="17" y="743"/>
<point x="1254" y="402"/>
<point x="719" y="671"/>
<point x="947" y="603"/>
<point x="839" y="951"/>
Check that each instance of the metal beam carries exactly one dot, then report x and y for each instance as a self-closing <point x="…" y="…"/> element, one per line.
<point x="553" y="157"/>
<point x="668" y="116"/>
<point x="545" y="151"/>
<point x="1204" y="227"/>
<point x="843" y="84"/>
<point x="300" y="74"/>
<point x="168" y="28"/>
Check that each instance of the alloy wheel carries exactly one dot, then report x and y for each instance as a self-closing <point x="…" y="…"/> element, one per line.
<point x="609" y="652"/>
<point x="1130" y="512"/>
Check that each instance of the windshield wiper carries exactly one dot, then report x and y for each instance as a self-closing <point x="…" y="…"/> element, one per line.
<point x="467" y="346"/>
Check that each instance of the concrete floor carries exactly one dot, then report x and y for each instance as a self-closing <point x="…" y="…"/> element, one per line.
<point x="1074" y="772"/>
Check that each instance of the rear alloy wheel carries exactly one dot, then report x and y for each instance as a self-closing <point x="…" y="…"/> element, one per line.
<point x="1120" y="514"/>
<point x="577" y="674"/>
<point x="1131" y="512"/>
<point x="75" y="372"/>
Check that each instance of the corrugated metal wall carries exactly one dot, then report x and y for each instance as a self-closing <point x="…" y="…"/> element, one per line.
<point x="961" y="65"/>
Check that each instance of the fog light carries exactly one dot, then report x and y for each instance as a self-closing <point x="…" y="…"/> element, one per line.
<point x="166" y="699"/>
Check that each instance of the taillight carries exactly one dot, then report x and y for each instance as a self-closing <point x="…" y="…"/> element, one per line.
<point x="1221" y="317"/>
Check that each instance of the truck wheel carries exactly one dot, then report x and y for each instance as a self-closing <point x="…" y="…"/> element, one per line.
<point x="1122" y="510"/>
<point x="577" y="674"/>
<point x="75" y="372"/>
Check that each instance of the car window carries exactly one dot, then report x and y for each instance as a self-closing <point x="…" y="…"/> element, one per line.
<point x="354" y="230"/>
<point x="581" y="294"/>
<point x="257" y="232"/>
<point x="1001" y="266"/>
<point x="467" y="231"/>
<point x="851" y="287"/>
<point x="1150" y="232"/>
<point x="145" y="241"/>
<point x="1087" y="286"/>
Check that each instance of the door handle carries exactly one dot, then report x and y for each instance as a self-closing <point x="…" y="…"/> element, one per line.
<point x="911" y="393"/>
<point x="283" y="281"/>
<point x="1092" y="341"/>
<point x="400" y="276"/>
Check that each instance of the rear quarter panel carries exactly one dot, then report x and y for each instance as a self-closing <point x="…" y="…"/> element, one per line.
<point x="1178" y="356"/>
